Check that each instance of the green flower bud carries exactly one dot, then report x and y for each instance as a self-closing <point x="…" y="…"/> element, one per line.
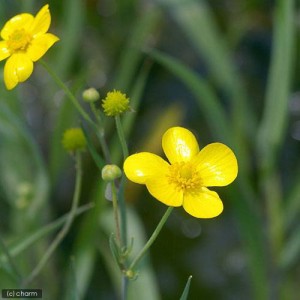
<point x="90" y="95"/>
<point x="74" y="139"/>
<point x="111" y="172"/>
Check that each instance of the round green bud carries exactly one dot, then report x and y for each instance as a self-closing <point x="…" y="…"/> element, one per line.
<point x="90" y="95"/>
<point x="74" y="139"/>
<point x="111" y="172"/>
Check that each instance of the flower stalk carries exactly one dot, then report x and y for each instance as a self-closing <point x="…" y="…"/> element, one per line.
<point x="151" y="240"/>
<point x="61" y="235"/>
<point x="70" y="95"/>
<point x="121" y="136"/>
<point x="10" y="260"/>
<point x="116" y="213"/>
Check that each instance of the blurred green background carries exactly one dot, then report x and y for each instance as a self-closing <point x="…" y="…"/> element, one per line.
<point x="226" y="69"/>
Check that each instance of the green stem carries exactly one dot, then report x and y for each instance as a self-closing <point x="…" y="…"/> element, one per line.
<point x="116" y="213"/>
<point x="100" y="132"/>
<point x="122" y="200"/>
<point x="121" y="191"/>
<point x="101" y="136"/>
<point x="123" y="216"/>
<point x="121" y="237"/>
<point x="96" y="112"/>
<point x="10" y="260"/>
<point x="75" y="102"/>
<point x="152" y="238"/>
<point x="61" y="235"/>
<point x="121" y="136"/>
<point x="124" y="287"/>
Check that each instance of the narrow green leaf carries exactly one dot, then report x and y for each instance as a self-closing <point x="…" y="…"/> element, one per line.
<point x="206" y="98"/>
<point x="20" y="144"/>
<point x="253" y="239"/>
<point x="27" y="241"/>
<point x="12" y="267"/>
<point x="132" y="55"/>
<point x="273" y="124"/>
<point x="99" y="161"/>
<point x="72" y="293"/>
<point x="71" y="35"/>
<point x="84" y="248"/>
<point x="199" y="25"/>
<point x="115" y="250"/>
<point x="291" y="250"/>
<point x="186" y="290"/>
<point x="292" y="208"/>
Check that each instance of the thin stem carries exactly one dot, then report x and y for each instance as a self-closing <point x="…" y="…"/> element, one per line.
<point x="75" y="102"/>
<point x="121" y="236"/>
<point x="10" y="260"/>
<point x="96" y="112"/>
<point x="152" y="238"/>
<point x="122" y="200"/>
<point x="100" y="132"/>
<point x="116" y="212"/>
<point x="60" y="236"/>
<point x="121" y="136"/>
<point x="122" y="206"/>
<point x="122" y="139"/>
<point x="124" y="287"/>
<point x="98" y="129"/>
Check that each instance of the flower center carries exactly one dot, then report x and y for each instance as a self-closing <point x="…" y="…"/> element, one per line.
<point x="19" y="40"/>
<point x="115" y="103"/>
<point x="185" y="176"/>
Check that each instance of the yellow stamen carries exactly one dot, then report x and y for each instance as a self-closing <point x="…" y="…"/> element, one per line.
<point x="19" y="40"/>
<point x="184" y="176"/>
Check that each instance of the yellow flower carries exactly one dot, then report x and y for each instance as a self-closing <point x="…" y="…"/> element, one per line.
<point x="115" y="103"/>
<point x="25" y="40"/>
<point x="184" y="180"/>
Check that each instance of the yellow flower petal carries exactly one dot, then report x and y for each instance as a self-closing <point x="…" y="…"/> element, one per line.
<point x="4" y="52"/>
<point x="41" y="21"/>
<point x="40" y="45"/>
<point x="161" y="189"/>
<point x="179" y="144"/>
<point x="16" y="23"/>
<point x="17" y="69"/>
<point x="142" y="166"/>
<point x="204" y="204"/>
<point x="217" y="165"/>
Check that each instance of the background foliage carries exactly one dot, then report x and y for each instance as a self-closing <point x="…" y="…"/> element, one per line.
<point x="229" y="71"/>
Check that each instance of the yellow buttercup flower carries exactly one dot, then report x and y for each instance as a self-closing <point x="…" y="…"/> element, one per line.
<point x="24" y="41"/>
<point x="184" y="180"/>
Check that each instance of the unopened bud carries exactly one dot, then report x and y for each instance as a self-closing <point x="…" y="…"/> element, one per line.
<point x="111" y="172"/>
<point x="74" y="139"/>
<point x="90" y="95"/>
